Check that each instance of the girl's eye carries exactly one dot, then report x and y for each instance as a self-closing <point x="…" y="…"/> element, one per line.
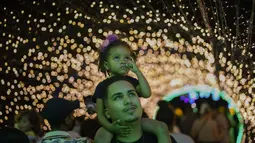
<point x="116" y="58"/>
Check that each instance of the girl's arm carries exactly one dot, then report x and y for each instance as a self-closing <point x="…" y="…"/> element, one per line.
<point x="158" y="128"/>
<point x="101" y="116"/>
<point x="143" y="88"/>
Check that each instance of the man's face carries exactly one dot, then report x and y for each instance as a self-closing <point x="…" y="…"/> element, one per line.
<point x="123" y="103"/>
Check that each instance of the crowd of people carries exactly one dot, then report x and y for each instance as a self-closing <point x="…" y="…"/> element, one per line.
<point x="120" y="117"/>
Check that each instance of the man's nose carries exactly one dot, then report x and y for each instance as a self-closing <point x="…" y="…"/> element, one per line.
<point x="127" y="100"/>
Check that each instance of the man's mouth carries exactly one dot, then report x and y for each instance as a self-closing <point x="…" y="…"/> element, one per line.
<point x="130" y="108"/>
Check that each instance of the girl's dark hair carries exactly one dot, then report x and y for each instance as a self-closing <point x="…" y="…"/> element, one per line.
<point x="104" y="54"/>
<point x="33" y="117"/>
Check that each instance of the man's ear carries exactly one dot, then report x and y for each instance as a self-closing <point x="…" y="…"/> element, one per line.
<point x="68" y="119"/>
<point x="106" y="66"/>
<point x="107" y="114"/>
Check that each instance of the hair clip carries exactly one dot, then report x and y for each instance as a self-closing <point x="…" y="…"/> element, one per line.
<point x="108" y="40"/>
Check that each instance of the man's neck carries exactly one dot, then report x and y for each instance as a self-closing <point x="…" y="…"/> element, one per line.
<point x="134" y="135"/>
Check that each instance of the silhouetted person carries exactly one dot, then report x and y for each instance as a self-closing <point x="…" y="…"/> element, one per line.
<point x="166" y="115"/>
<point x="12" y="135"/>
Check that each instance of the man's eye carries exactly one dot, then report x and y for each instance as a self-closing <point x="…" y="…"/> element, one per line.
<point x="117" y="98"/>
<point x="132" y="94"/>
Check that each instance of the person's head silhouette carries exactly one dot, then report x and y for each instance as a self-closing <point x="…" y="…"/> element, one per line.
<point x="12" y="135"/>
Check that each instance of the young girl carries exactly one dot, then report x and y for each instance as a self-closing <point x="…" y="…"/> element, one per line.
<point x="29" y="122"/>
<point x="117" y="59"/>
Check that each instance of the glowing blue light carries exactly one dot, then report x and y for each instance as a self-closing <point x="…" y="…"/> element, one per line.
<point x="204" y="94"/>
<point x="193" y="95"/>
<point x="191" y="101"/>
<point x="216" y="94"/>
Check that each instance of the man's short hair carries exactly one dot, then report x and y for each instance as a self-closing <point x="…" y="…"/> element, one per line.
<point x="113" y="80"/>
<point x="57" y="109"/>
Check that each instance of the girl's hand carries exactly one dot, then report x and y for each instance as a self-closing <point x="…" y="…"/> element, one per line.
<point x="119" y="129"/>
<point x="132" y="65"/>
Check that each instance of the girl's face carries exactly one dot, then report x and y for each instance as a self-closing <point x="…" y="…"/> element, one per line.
<point x="117" y="60"/>
<point x="24" y="124"/>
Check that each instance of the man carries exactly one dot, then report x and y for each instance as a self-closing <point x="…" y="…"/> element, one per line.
<point x="223" y="124"/>
<point x="188" y="120"/>
<point x="59" y="113"/>
<point x="166" y="115"/>
<point x="122" y="104"/>
<point x="205" y="128"/>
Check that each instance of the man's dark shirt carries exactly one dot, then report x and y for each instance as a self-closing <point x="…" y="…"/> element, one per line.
<point x="146" y="138"/>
